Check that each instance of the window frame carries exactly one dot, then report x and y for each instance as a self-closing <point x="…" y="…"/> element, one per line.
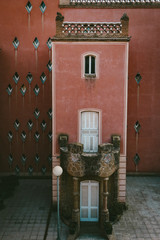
<point x="90" y="65"/>
<point x="83" y="68"/>
<point x="99" y="123"/>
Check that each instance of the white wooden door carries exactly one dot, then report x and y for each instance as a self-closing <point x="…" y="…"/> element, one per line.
<point x="89" y="201"/>
<point x="89" y="131"/>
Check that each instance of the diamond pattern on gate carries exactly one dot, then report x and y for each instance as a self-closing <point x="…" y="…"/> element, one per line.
<point x="23" y="89"/>
<point x="43" y="77"/>
<point x="36" y="43"/>
<point x="16" y="77"/>
<point x="138" y="78"/>
<point x="36" y="113"/>
<point x="30" y="125"/>
<point x="136" y="159"/>
<point x="9" y="89"/>
<point x="37" y="136"/>
<point x="28" y="7"/>
<point x="10" y="136"/>
<point x="36" y="90"/>
<point x="50" y="136"/>
<point x="23" y="159"/>
<point x="16" y="124"/>
<point x="17" y="169"/>
<point x="49" y="66"/>
<point x="23" y="136"/>
<point x="37" y="158"/>
<point x="43" y="170"/>
<point x="50" y="158"/>
<point x="43" y="125"/>
<point x="15" y="42"/>
<point x="137" y="127"/>
<point x="50" y="113"/>
<point x="10" y="159"/>
<point x="30" y="170"/>
<point x="49" y="43"/>
<point x="29" y="78"/>
<point x="42" y="7"/>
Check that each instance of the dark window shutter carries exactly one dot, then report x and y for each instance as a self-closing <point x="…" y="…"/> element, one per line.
<point x="87" y="65"/>
<point x="92" y="65"/>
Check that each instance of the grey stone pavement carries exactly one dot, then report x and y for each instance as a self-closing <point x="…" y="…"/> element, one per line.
<point x="26" y="212"/>
<point x="26" y="215"/>
<point x="142" y="219"/>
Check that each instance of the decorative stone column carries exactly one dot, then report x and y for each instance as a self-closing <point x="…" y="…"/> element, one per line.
<point x="75" y="212"/>
<point x="105" y="200"/>
<point x="125" y="23"/>
<point x="59" y="22"/>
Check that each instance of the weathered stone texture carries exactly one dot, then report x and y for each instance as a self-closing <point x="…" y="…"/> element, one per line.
<point x="102" y="167"/>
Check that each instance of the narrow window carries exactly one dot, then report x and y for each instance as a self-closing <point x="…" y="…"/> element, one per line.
<point x="87" y="65"/>
<point x="90" y="65"/>
<point x="90" y="131"/>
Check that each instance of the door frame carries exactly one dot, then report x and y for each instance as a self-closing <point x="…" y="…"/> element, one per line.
<point x="89" y="183"/>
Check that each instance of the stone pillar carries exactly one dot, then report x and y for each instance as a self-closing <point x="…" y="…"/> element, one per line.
<point x="116" y="186"/>
<point x="59" y="22"/>
<point x="125" y="23"/>
<point x="105" y="200"/>
<point x="75" y="213"/>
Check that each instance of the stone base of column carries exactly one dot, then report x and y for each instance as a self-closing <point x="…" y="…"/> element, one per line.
<point x="106" y="227"/>
<point x="76" y="215"/>
<point x="105" y="216"/>
<point x="74" y="227"/>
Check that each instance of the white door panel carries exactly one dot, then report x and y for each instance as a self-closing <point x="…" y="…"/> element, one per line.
<point x="89" y="201"/>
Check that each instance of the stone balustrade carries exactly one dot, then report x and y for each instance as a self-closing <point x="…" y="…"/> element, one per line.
<point x="88" y="31"/>
<point x="91" y="29"/>
<point x="111" y="1"/>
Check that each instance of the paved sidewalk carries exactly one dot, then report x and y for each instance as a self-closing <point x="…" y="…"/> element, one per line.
<point x="52" y="229"/>
<point x="142" y="219"/>
<point x="26" y="213"/>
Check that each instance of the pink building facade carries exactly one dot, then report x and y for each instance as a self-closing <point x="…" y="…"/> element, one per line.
<point x="28" y="75"/>
<point x="89" y="100"/>
<point x="106" y="93"/>
<point x="39" y="22"/>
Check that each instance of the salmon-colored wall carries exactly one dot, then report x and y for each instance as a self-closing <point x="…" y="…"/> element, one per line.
<point x="106" y="93"/>
<point x="144" y="57"/>
<point x="15" y="23"/>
